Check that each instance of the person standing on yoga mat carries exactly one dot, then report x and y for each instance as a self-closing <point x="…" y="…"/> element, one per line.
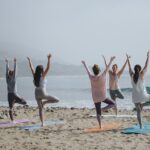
<point x="98" y="88"/>
<point x="140" y="97"/>
<point x="114" y="76"/>
<point x="39" y="75"/>
<point x="12" y="89"/>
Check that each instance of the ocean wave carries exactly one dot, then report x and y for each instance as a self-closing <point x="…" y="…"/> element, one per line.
<point x="127" y="90"/>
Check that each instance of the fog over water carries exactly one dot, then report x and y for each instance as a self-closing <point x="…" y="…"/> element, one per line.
<point x="75" y="29"/>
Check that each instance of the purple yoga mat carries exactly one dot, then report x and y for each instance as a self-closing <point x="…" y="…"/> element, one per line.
<point x="11" y="124"/>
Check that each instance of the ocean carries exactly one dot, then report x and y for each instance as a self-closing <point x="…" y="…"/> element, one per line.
<point x="73" y="91"/>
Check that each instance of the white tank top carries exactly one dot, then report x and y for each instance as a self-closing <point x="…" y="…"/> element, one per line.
<point x="42" y="85"/>
<point x="139" y="93"/>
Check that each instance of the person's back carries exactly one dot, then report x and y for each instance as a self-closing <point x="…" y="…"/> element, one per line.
<point x="11" y="79"/>
<point x="139" y="93"/>
<point x="11" y="88"/>
<point x="98" y="87"/>
<point x="42" y="83"/>
<point x="11" y="85"/>
<point x="140" y="97"/>
<point x="42" y="97"/>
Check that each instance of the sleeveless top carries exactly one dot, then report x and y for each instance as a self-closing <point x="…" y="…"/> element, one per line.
<point x="98" y="87"/>
<point x="139" y="93"/>
<point x="42" y="84"/>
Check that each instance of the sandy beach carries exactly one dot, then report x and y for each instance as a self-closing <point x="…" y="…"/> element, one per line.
<point x="70" y="135"/>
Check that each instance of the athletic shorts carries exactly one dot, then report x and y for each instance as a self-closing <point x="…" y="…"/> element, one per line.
<point x="116" y="94"/>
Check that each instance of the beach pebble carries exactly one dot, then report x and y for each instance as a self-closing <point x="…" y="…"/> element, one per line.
<point x="72" y="108"/>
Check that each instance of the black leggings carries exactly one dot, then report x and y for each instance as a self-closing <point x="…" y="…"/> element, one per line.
<point x="110" y="103"/>
<point x="14" y="98"/>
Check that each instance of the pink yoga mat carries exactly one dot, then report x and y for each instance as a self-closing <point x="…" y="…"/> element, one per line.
<point x="11" y="124"/>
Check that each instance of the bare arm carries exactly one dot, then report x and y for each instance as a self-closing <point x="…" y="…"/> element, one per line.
<point x="31" y="66"/>
<point x="48" y="66"/>
<point x="108" y="66"/>
<point x="104" y="60"/>
<point x="7" y="68"/>
<point x="122" y="69"/>
<point x="146" y="65"/>
<point x="15" y="66"/>
<point x="87" y="69"/>
<point x="129" y="65"/>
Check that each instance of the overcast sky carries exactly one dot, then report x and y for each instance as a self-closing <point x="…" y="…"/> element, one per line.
<point x="75" y="29"/>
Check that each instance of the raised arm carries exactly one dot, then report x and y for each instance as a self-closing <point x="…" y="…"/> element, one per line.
<point x="7" y="67"/>
<point x="146" y="64"/>
<point x="31" y="66"/>
<point x="122" y="69"/>
<point x="129" y="65"/>
<point x="15" y="66"/>
<point x="108" y="66"/>
<point x="48" y="66"/>
<point x="104" y="60"/>
<point x="87" y="69"/>
<point x="110" y="72"/>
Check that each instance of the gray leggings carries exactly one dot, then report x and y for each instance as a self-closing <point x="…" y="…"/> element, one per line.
<point x="43" y="98"/>
<point x="139" y="107"/>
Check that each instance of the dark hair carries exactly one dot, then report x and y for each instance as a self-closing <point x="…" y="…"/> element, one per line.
<point x="115" y="65"/>
<point x="137" y="69"/>
<point x="96" y="69"/>
<point x="10" y="73"/>
<point x="38" y="73"/>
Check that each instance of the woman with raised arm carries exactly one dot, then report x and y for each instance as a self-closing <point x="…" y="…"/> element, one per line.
<point x="114" y="76"/>
<point x="98" y="88"/>
<point x="39" y="75"/>
<point x="140" y="97"/>
<point x="12" y="89"/>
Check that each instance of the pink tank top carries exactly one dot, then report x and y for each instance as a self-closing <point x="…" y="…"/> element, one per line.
<point x="98" y="87"/>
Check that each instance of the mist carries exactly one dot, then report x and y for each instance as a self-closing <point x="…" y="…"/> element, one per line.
<point x="73" y="30"/>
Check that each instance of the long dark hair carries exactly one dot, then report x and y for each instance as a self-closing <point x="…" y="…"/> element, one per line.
<point x="38" y="74"/>
<point x="137" y="69"/>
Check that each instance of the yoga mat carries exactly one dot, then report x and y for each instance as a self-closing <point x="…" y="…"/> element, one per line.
<point x="105" y="127"/>
<point x="136" y="129"/>
<point x="8" y="124"/>
<point x="38" y="125"/>
<point x="118" y="116"/>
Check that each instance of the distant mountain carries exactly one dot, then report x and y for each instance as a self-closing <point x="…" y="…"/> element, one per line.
<point x="56" y="68"/>
<point x="11" y="50"/>
<point x="23" y="67"/>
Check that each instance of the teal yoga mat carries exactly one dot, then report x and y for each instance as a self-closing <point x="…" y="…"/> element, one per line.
<point x="136" y="129"/>
<point x="38" y="125"/>
<point x="116" y="116"/>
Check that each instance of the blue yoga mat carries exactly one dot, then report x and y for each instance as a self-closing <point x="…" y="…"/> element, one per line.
<point x="38" y="126"/>
<point x="136" y="129"/>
